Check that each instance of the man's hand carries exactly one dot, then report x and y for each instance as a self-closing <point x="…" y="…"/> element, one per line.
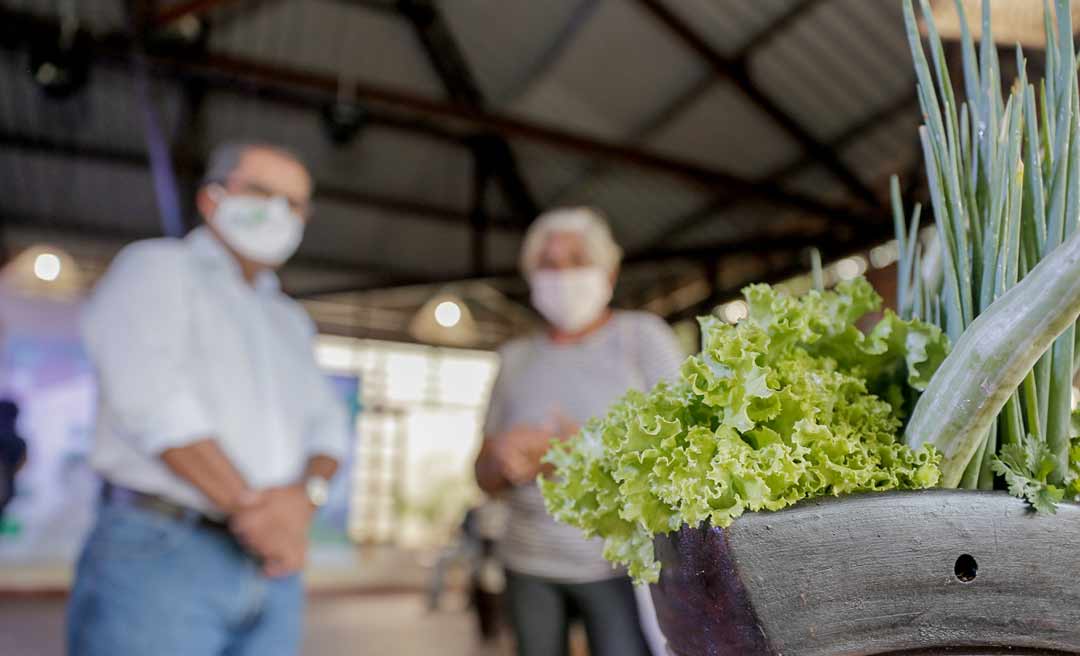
<point x="275" y="527"/>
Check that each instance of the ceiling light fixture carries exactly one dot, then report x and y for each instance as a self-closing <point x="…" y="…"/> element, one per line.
<point x="448" y="314"/>
<point x="47" y="267"/>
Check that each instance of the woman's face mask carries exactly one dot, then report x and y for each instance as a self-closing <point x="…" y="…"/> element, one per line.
<point x="264" y="230"/>
<point x="571" y="299"/>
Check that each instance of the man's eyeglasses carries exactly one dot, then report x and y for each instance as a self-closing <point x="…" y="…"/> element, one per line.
<point x="248" y="188"/>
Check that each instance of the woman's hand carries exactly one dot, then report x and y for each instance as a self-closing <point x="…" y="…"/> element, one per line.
<point x="513" y="458"/>
<point x="519" y="450"/>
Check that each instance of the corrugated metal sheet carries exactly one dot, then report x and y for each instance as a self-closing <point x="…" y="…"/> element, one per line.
<point x="603" y="67"/>
<point x="506" y="48"/>
<point x="381" y="160"/>
<point x="399" y="243"/>
<point x="815" y="181"/>
<point x="834" y="63"/>
<point x="723" y="129"/>
<point x="890" y="148"/>
<point x="331" y="37"/>
<point x="551" y="173"/>
<point x="617" y="74"/>
<point x="104" y="113"/>
<point x="640" y="206"/>
<point x="735" y="223"/>
<point x="59" y="190"/>
<point x="96" y="15"/>
<point x="729" y="24"/>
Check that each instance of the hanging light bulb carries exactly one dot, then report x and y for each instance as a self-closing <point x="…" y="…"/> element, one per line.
<point x="43" y="270"/>
<point x="447" y="314"/>
<point x="444" y="319"/>
<point x="47" y="267"/>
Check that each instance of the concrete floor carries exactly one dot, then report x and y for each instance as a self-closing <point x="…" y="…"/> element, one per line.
<point x="368" y="625"/>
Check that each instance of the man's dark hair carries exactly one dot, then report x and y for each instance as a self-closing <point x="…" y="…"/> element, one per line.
<point x="226" y="157"/>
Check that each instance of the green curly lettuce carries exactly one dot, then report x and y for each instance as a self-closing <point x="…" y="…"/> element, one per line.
<point x="792" y="403"/>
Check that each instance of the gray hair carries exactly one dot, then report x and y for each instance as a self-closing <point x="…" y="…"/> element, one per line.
<point x="586" y="221"/>
<point x="225" y="158"/>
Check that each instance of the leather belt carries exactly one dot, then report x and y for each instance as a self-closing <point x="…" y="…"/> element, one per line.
<point x="122" y="496"/>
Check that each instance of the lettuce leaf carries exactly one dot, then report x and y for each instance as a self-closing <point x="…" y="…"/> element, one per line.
<point x="792" y="403"/>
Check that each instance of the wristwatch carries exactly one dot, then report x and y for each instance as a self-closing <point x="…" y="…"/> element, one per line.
<point x="318" y="490"/>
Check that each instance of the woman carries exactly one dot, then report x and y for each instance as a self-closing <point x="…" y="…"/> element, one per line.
<point x="548" y="385"/>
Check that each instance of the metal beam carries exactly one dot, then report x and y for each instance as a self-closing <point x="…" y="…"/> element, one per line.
<point x="694" y="93"/>
<point x="481" y="175"/>
<point x="18" y="28"/>
<point x="5" y="250"/>
<point x="442" y="51"/>
<point x="67" y="228"/>
<point x="719" y="203"/>
<point x="347" y="196"/>
<point x="385" y="6"/>
<point x="72" y="149"/>
<point x="566" y="35"/>
<point x="158" y="150"/>
<point x="189" y="8"/>
<point x="737" y="71"/>
<point x="253" y="74"/>
<point x="189" y="138"/>
<point x="244" y="71"/>
<point x="698" y="254"/>
<point x="830" y="250"/>
<point x="189" y="143"/>
<point x="777" y="26"/>
<point x="640" y="133"/>
<point x="448" y="60"/>
<point x="904" y="101"/>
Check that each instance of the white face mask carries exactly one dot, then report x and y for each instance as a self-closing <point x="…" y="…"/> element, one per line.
<point x="264" y="230"/>
<point x="571" y="298"/>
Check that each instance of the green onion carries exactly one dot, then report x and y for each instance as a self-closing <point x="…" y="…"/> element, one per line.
<point x="1004" y="179"/>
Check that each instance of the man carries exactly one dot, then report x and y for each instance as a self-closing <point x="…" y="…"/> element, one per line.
<point x="12" y="452"/>
<point x="216" y="432"/>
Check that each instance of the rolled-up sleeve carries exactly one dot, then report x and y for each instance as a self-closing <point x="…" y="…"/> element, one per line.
<point x="137" y="334"/>
<point x="328" y="433"/>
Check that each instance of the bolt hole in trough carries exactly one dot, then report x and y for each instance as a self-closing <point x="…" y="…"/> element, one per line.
<point x="966" y="568"/>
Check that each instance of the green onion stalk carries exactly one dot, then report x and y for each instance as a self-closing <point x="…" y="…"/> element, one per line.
<point x="1002" y="276"/>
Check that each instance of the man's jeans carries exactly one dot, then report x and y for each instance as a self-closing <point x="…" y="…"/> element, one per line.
<point x="149" y="585"/>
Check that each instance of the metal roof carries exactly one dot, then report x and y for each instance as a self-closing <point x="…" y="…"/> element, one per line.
<point x="758" y="117"/>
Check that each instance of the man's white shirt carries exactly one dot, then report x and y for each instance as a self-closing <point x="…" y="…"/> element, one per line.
<point x="186" y="349"/>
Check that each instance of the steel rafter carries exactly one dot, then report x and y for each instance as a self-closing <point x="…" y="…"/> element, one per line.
<point x="737" y="71"/>
<point x="704" y="214"/>
<point x="694" y="93"/>
<point x="830" y="250"/>
<point x="271" y="78"/>
<point x="190" y="8"/>
<point x="347" y="196"/>
<point x="698" y="254"/>
<point x="453" y="69"/>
